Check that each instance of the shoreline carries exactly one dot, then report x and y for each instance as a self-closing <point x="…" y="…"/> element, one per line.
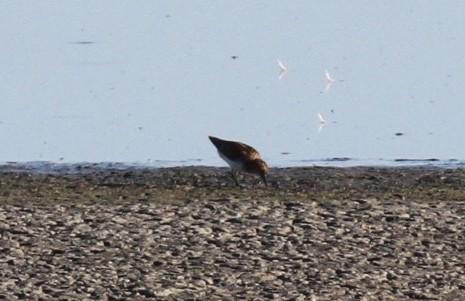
<point x="179" y="183"/>
<point x="336" y="162"/>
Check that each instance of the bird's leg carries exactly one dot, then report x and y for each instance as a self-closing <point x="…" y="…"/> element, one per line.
<point x="234" y="176"/>
<point x="264" y="181"/>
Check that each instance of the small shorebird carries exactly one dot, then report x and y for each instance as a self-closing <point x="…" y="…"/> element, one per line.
<point x="241" y="157"/>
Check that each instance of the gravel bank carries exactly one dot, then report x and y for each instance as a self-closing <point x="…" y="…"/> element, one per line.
<point x="188" y="233"/>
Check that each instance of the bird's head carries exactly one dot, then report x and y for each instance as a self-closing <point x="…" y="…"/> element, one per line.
<point x="258" y="167"/>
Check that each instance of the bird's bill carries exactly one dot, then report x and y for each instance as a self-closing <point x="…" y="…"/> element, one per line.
<point x="264" y="180"/>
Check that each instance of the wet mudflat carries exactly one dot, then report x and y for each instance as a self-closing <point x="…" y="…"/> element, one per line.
<point x="188" y="233"/>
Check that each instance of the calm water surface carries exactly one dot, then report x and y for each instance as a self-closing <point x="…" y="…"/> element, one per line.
<point x="147" y="82"/>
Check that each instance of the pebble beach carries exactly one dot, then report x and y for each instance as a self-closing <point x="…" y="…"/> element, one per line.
<point x="188" y="233"/>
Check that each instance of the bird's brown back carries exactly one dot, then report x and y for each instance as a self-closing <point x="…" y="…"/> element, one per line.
<point x="234" y="150"/>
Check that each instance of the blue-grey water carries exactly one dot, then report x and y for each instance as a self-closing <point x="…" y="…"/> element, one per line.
<point x="146" y="82"/>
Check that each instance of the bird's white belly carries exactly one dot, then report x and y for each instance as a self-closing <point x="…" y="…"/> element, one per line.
<point x="235" y="165"/>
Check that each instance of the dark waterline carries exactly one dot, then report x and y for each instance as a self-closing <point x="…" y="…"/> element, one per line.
<point x="45" y="167"/>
